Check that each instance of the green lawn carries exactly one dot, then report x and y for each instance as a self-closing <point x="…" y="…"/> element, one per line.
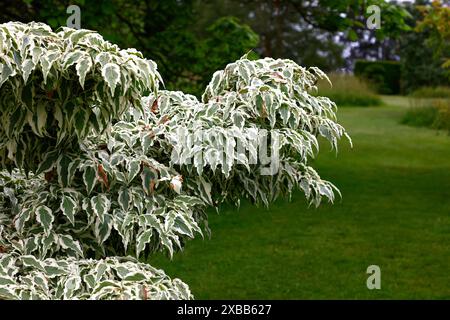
<point x="395" y="213"/>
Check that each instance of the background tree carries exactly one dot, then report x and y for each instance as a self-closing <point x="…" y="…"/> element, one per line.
<point x="332" y="29"/>
<point x="436" y="20"/>
<point x="421" y="57"/>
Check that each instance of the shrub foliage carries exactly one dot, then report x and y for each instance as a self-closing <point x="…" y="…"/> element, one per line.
<point x="58" y="87"/>
<point x="384" y="75"/>
<point x="95" y="176"/>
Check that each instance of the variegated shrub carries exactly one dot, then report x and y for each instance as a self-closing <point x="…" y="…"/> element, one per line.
<point x="101" y="169"/>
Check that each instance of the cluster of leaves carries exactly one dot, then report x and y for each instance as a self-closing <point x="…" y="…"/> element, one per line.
<point x="46" y="236"/>
<point x="117" y="188"/>
<point x="241" y="101"/>
<point x="140" y="214"/>
<point x="25" y="277"/>
<point x="58" y="87"/>
<point x="60" y="92"/>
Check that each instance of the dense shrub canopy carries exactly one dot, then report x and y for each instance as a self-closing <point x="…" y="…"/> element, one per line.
<point x="99" y="170"/>
<point x="58" y="87"/>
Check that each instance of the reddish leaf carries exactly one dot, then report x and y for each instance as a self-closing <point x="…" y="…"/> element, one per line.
<point x="103" y="176"/>
<point x="154" y="107"/>
<point x="164" y="120"/>
<point x="50" y="94"/>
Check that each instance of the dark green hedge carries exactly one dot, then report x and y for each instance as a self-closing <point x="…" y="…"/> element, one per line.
<point x="384" y="75"/>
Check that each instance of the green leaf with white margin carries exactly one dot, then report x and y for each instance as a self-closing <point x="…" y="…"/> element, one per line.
<point x="67" y="242"/>
<point x="89" y="279"/>
<point x="8" y="294"/>
<point x="69" y="208"/>
<point x="45" y="217"/>
<point x="244" y="72"/>
<point x="102" y="58"/>
<point x="100" y="204"/>
<point x="41" y="119"/>
<point x="134" y="166"/>
<point x="36" y="54"/>
<point x="167" y="243"/>
<point x="27" y="67"/>
<point x="47" y="61"/>
<point x="48" y="242"/>
<point x="71" y="285"/>
<point x="123" y="224"/>
<point x="5" y="280"/>
<point x="83" y="67"/>
<point x="105" y="289"/>
<point x="62" y="168"/>
<point x="54" y="270"/>
<point x="135" y="276"/>
<point x="284" y="113"/>
<point x="146" y="142"/>
<point x="31" y="244"/>
<point x="142" y="240"/>
<point x="151" y="220"/>
<point x="103" y="228"/>
<point x="72" y="57"/>
<point x="100" y="270"/>
<point x="111" y="74"/>
<point x="21" y="219"/>
<point x="41" y="281"/>
<point x="31" y="261"/>
<point x="72" y="168"/>
<point x="81" y="119"/>
<point x="89" y="178"/>
<point x="125" y="199"/>
<point x="79" y="34"/>
<point x="48" y="162"/>
<point x="182" y="226"/>
<point x="6" y="72"/>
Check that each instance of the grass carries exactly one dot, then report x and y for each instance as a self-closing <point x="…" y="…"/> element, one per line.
<point x="348" y="90"/>
<point x="395" y="213"/>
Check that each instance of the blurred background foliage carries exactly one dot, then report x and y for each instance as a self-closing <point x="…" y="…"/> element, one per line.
<point x="190" y="39"/>
<point x="348" y="90"/>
